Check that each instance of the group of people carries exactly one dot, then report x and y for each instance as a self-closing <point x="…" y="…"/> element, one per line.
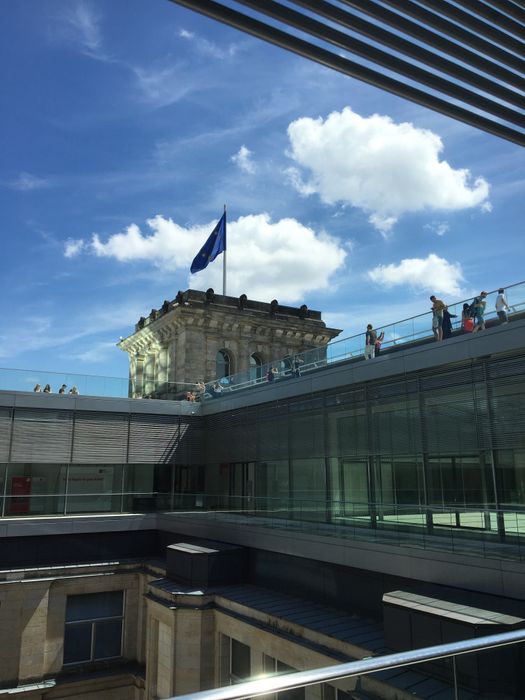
<point x="63" y="390"/>
<point x="197" y="394"/>
<point x="472" y="320"/>
<point x="472" y="315"/>
<point x="373" y="342"/>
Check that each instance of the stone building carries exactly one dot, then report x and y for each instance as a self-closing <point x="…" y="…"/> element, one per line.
<point x="202" y="336"/>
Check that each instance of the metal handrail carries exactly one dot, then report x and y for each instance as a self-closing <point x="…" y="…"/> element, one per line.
<point x="275" y="684"/>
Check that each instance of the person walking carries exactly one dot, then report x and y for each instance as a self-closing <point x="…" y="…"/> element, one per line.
<point x="502" y="306"/>
<point x="438" y="308"/>
<point x="479" y="305"/>
<point x="370" y="342"/>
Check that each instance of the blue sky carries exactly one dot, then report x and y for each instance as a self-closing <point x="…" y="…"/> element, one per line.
<point x="126" y="125"/>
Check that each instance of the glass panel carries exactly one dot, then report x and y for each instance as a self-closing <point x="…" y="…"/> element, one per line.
<point x="255" y="367"/>
<point x="223" y="364"/>
<point x="293" y="693"/>
<point x="77" y="643"/>
<point x="94" y="488"/>
<point x="35" y="489"/>
<point x="240" y="660"/>
<point x="147" y="487"/>
<point x="459" y="481"/>
<point x="93" y="606"/>
<point x="510" y="473"/>
<point x="309" y="488"/>
<point x="108" y="639"/>
<point x="354" y="483"/>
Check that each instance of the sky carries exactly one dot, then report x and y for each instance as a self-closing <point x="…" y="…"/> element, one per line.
<point x="128" y="125"/>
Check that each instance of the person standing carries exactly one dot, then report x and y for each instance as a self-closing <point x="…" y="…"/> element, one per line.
<point x="438" y="307"/>
<point x="377" y="344"/>
<point x="447" y="324"/>
<point x="297" y="362"/>
<point x="467" y="322"/>
<point x="479" y="305"/>
<point x="502" y="306"/>
<point x="370" y="342"/>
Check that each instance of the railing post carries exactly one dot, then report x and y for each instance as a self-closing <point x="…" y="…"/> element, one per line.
<point x="456" y="695"/>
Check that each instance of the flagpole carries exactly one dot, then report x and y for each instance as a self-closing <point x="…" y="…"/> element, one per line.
<point x="224" y="259"/>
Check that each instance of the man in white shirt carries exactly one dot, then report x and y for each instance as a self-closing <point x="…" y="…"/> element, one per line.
<point x="502" y="306"/>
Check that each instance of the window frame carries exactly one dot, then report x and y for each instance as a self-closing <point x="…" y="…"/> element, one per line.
<point x="93" y="621"/>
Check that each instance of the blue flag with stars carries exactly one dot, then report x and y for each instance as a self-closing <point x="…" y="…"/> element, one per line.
<point x="215" y="245"/>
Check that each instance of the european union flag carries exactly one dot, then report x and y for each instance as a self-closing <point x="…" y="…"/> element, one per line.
<point x="215" y="245"/>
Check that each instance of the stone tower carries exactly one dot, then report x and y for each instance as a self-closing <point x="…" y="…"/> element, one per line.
<point x="201" y="336"/>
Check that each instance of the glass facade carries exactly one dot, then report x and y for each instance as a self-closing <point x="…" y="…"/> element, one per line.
<point x="434" y="450"/>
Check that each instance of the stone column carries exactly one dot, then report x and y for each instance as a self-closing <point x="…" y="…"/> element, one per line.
<point x="180" y="650"/>
<point x="33" y="627"/>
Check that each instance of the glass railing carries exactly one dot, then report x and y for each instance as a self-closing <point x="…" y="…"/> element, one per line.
<point x="416" y="329"/>
<point x="70" y="384"/>
<point x="474" y="530"/>
<point x="401" y="333"/>
<point x="457" y="668"/>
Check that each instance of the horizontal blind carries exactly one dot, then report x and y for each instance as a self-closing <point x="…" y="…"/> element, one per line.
<point x="5" y="433"/>
<point x="153" y="439"/>
<point x="100" y="438"/>
<point x="41" y="435"/>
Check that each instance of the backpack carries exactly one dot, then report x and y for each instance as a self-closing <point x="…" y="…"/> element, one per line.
<point x="472" y="308"/>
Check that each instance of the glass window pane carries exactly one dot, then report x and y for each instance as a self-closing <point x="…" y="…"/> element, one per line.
<point x="94" y="488"/>
<point x="35" y="489"/>
<point x="77" y="643"/>
<point x="240" y="659"/>
<point x="108" y="639"/>
<point x="94" y="606"/>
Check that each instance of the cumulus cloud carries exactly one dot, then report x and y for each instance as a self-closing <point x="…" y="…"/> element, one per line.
<point x="26" y="182"/>
<point x="384" y="168"/>
<point x="433" y="274"/>
<point x="243" y="159"/>
<point x="281" y="259"/>
<point x="73" y="247"/>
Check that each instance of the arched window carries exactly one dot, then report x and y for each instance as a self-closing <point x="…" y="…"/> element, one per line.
<point x="223" y="364"/>
<point x="255" y="367"/>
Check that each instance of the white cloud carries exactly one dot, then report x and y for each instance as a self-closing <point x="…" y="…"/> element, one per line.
<point x="73" y="247"/>
<point x="438" y="227"/>
<point x="384" y="168"/>
<point x="243" y="159"/>
<point x="26" y="182"/>
<point x="209" y="48"/>
<point x="284" y="259"/>
<point x="163" y="86"/>
<point x="79" y="24"/>
<point x="432" y="273"/>
<point x="40" y="332"/>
